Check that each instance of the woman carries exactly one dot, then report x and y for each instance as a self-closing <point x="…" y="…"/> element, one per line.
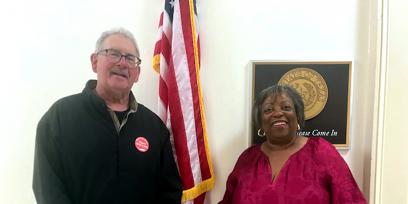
<point x="288" y="168"/>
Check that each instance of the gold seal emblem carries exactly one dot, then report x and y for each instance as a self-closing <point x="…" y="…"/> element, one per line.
<point x="311" y="86"/>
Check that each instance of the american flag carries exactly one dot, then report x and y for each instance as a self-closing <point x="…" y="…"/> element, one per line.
<point x="177" y="59"/>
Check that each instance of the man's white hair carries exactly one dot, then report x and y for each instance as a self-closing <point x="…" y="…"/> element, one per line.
<point x="116" y="31"/>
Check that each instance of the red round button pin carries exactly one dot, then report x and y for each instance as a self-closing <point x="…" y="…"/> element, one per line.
<point x="141" y="144"/>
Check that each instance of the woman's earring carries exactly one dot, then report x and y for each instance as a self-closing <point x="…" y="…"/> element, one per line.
<point x="298" y="127"/>
<point x="259" y="133"/>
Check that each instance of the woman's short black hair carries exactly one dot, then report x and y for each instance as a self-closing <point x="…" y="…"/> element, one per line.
<point x="274" y="91"/>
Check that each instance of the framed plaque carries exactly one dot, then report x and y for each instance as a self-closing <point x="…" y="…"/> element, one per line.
<point x="325" y="90"/>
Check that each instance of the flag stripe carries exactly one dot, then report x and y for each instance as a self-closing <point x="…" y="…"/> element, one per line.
<point x="183" y="78"/>
<point x="189" y="54"/>
<point x="177" y="126"/>
<point x="194" y="73"/>
<point x="176" y="58"/>
<point x="175" y="107"/>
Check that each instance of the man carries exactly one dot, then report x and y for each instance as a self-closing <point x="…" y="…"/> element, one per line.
<point x="101" y="146"/>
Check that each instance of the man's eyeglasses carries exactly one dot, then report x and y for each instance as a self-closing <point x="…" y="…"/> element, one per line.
<point x="115" y="56"/>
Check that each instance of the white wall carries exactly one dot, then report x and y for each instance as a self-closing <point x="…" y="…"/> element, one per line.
<point x="48" y="43"/>
<point x="392" y="169"/>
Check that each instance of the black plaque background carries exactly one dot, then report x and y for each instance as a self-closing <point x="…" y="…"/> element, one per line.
<point x="334" y="116"/>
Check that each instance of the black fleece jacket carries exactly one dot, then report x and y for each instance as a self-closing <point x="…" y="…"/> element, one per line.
<point x="81" y="158"/>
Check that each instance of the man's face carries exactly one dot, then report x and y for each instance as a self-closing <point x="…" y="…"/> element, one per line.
<point x="115" y="76"/>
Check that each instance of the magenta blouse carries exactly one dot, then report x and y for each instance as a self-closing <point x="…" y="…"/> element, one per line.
<point x="316" y="174"/>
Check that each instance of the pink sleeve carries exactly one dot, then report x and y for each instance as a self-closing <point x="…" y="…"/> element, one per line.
<point x="344" y="189"/>
<point x="229" y="192"/>
<point x="244" y="161"/>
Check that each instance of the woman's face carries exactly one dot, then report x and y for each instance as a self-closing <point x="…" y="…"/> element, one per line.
<point x="278" y="116"/>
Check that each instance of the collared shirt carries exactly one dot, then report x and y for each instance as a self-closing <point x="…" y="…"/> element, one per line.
<point x="132" y="109"/>
<point x="132" y="106"/>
